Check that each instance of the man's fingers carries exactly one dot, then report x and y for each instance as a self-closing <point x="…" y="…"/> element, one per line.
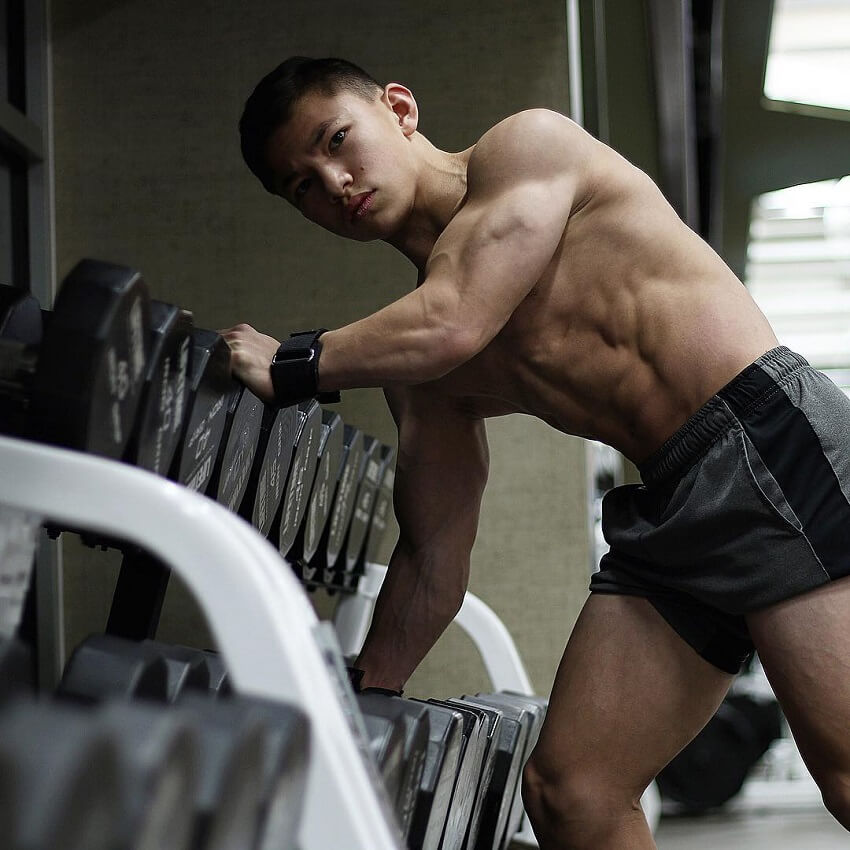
<point x="251" y="353"/>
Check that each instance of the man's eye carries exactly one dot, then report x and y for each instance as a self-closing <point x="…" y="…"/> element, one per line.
<point x="301" y="188"/>
<point x="337" y="139"/>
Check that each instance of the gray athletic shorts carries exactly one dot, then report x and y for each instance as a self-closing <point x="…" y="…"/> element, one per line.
<point x="747" y="504"/>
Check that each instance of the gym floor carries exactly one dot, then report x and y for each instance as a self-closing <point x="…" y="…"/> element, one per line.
<point x="794" y="830"/>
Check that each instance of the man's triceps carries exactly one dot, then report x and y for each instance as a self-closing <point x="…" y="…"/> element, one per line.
<point x="443" y="464"/>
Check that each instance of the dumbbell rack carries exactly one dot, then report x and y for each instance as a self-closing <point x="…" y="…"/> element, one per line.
<point x="489" y="634"/>
<point x="264" y="626"/>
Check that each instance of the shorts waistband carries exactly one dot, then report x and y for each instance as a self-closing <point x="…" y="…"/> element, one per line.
<point x="718" y="414"/>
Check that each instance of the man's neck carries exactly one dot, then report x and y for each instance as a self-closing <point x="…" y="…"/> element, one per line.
<point x="441" y="191"/>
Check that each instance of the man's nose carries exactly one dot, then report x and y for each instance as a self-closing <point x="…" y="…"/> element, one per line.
<point x="337" y="181"/>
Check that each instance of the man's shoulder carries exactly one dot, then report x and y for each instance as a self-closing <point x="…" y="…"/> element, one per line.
<point x="535" y="143"/>
<point x="530" y="120"/>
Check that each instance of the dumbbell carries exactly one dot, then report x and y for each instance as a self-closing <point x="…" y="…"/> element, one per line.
<point x="254" y="763"/>
<point x="80" y="386"/>
<point x="229" y="795"/>
<point x="160" y="424"/>
<point x="159" y="769"/>
<point x="310" y="532"/>
<point x="514" y="723"/>
<point x="330" y="547"/>
<point x="208" y="388"/>
<point x="194" y="669"/>
<point x="438" y="779"/>
<point x="228" y="811"/>
<point x="497" y="794"/>
<point x="536" y="706"/>
<point x="471" y="766"/>
<point x="213" y="455"/>
<point x="286" y="759"/>
<point x="235" y="458"/>
<point x="529" y="715"/>
<point x="385" y="738"/>
<point x="104" y="666"/>
<point x="365" y="478"/>
<point x="270" y="469"/>
<point x="381" y="511"/>
<point x="187" y="670"/>
<point x="394" y="723"/>
<point x="198" y="426"/>
<point x="425" y="795"/>
<point x="490" y="724"/>
<point x="59" y="774"/>
<point x="373" y="472"/>
<point x="302" y="471"/>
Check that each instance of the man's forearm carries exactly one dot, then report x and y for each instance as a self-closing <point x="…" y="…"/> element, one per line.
<point x="418" y="338"/>
<point x="418" y="600"/>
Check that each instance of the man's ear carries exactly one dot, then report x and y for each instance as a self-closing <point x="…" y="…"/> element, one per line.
<point x="401" y="102"/>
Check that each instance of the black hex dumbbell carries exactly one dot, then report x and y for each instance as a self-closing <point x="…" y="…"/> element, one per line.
<point x="159" y="426"/>
<point x="80" y="384"/>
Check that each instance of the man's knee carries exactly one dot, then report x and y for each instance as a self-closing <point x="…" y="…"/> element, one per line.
<point x="565" y="798"/>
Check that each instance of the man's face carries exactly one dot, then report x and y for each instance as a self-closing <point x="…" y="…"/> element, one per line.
<point x="345" y="163"/>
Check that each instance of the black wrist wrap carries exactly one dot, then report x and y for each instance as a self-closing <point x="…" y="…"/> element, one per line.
<point x="355" y="676"/>
<point x="295" y="370"/>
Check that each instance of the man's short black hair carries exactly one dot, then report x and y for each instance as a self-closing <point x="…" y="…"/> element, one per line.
<point x="271" y="103"/>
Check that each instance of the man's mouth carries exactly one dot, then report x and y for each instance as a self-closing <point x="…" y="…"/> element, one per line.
<point x="360" y="205"/>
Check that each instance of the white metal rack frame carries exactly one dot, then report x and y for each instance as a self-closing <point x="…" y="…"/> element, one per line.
<point x="257" y="611"/>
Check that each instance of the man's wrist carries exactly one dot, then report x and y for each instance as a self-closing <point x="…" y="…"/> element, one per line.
<point x="355" y="676"/>
<point x="294" y="370"/>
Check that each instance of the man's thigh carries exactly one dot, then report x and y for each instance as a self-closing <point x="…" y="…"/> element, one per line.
<point x="628" y="696"/>
<point x="804" y="646"/>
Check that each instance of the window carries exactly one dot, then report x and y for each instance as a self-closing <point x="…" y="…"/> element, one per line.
<point x="25" y="237"/>
<point x="798" y="270"/>
<point x="809" y="55"/>
<point x="26" y="241"/>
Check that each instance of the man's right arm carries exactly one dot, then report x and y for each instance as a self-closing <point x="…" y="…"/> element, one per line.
<point x="440" y="476"/>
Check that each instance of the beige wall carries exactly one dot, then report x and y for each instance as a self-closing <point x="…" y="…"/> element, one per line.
<point x="147" y="95"/>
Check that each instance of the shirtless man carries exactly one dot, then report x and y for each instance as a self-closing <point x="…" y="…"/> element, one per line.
<point x="555" y="280"/>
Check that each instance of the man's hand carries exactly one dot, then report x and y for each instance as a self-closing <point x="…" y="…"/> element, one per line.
<point x="251" y="355"/>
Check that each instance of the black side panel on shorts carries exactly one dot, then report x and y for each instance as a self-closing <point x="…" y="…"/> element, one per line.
<point x="782" y="434"/>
